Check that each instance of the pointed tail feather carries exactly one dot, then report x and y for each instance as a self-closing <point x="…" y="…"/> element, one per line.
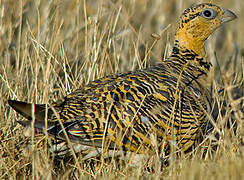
<point x="25" y="109"/>
<point x="53" y="128"/>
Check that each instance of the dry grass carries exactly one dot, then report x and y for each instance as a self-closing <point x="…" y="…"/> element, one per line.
<point x="49" y="48"/>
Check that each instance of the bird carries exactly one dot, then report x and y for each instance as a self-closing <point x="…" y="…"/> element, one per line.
<point x="167" y="102"/>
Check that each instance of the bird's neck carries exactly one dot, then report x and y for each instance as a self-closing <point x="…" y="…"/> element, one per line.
<point x="186" y="52"/>
<point x="189" y="47"/>
<point x="189" y="38"/>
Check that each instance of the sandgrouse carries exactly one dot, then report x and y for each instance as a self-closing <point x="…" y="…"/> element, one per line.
<point x="123" y="111"/>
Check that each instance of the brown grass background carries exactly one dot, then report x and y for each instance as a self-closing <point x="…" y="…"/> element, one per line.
<point x="49" y="48"/>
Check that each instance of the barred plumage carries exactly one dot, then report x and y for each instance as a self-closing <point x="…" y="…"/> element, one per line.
<point x="169" y="100"/>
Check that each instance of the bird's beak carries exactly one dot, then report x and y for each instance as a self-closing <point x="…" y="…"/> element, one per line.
<point x="228" y="16"/>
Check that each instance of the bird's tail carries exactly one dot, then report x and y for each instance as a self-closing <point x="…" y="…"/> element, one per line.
<point x="28" y="110"/>
<point x="42" y="116"/>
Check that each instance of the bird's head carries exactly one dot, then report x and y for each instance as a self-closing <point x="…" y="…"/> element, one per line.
<point x="197" y="23"/>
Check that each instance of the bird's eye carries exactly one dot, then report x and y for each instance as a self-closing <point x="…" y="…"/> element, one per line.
<point x="208" y="13"/>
